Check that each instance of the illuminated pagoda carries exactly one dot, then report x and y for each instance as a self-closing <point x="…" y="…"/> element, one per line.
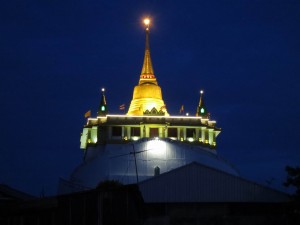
<point x="148" y="143"/>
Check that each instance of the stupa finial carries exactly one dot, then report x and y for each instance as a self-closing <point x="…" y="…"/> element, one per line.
<point x="147" y="70"/>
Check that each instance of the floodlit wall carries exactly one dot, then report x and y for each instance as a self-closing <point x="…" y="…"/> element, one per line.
<point x="117" y="161"/>
<point x="89" y="135"/>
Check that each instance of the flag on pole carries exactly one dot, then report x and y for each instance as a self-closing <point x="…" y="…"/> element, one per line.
<point x="181" y="109"/>
<point x="87" y="114"/>
<point x="122" y="107"/>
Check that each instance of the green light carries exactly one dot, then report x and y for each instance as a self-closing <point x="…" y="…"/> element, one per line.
<point x="202" y="110"/>
<point x="103" y="108"/>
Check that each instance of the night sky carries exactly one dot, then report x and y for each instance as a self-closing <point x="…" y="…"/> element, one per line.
<point x="55" y="56"/>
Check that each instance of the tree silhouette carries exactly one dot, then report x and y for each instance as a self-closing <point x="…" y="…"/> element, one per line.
<point x="293" y="180"/>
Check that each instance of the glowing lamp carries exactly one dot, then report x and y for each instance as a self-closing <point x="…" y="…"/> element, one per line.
<point x="147" y="21"/>
<point x="103" y="89"/>
<point x="190" y="139"/>
<point x="201" y="92"/>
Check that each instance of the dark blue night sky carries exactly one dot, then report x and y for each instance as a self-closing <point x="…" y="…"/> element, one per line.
<point x="56" y="55"/>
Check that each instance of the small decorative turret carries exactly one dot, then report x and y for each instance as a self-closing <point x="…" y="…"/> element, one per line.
<point x="102" y="110"/>
<point x="201" y="109"/>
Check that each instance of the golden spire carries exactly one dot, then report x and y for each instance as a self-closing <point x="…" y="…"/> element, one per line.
<point x="147" y="74"/>
<point x="147" y="96"/>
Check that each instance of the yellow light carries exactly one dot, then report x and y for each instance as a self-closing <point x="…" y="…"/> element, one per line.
<point x="147" y="21"/>
<point x="190" y="139"/>
<point x="143" y="116"/>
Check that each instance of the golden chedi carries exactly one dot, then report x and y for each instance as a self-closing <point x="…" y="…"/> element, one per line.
<point x="147" y="96"/>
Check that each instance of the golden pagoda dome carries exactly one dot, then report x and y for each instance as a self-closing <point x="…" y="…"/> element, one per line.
<point x="147" y="96"/>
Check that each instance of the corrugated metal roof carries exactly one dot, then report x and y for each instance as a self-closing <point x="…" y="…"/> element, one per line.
<point x="198" y="183"/>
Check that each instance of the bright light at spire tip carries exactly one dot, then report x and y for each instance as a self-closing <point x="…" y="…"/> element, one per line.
<point x="147" y="21"/>
<point x="201" y="92"/>
<point x="103" y="89"/>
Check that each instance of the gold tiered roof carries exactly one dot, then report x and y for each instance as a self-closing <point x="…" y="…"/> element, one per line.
<point x="147" y="96"/>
